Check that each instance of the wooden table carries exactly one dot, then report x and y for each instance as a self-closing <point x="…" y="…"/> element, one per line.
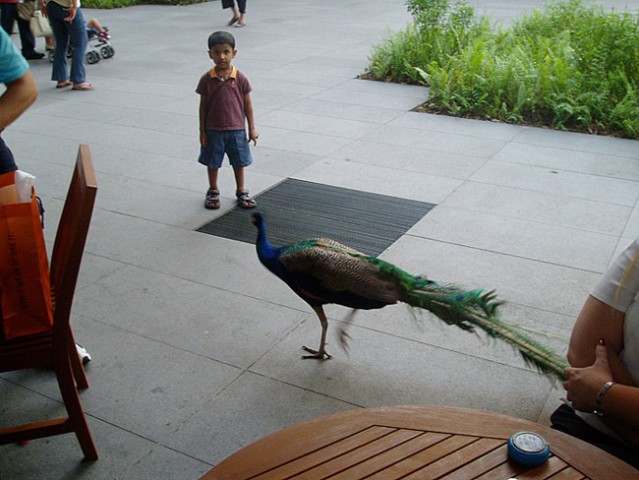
<point x="416" y="442"/>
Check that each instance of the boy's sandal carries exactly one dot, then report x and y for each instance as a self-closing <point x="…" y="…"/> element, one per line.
<point x="233" y="21"/>
<point x="212" y="200"/>
<point x="244" y="200"/>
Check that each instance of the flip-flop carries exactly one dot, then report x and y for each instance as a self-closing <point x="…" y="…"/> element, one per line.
<point x="240" y="24"/>
<point x="232" y="21"/>
<point x="82" y="86"/>
<point x="63" y="85"/>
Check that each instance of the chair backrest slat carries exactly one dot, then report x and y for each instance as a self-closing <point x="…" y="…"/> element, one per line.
<point x="71" y="235"/>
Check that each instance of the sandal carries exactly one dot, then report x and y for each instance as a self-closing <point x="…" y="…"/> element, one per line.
<point x="212" y="200"/>
<point x="82" y="86"/>
<point x="244" y="200"/>
<point x="63" y="84"/>
<point x="239" y="24"/>
<point x="233" y="21"/>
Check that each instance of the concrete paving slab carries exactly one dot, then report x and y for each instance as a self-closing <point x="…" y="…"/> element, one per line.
<point x="250" y="407"/>
<point x="537" y="207"/>
<point x="517" y="237"/>
<point x="567" y="183"/>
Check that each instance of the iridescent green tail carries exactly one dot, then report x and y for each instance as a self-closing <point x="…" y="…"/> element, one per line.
<point x="468" y="309"/>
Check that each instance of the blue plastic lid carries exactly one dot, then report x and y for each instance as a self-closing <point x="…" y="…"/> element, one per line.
<point x="528" y="448"/>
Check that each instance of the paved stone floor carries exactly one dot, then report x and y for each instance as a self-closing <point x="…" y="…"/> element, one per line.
<point x="196" y="347"/>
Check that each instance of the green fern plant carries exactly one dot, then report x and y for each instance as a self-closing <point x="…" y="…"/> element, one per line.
<point x="571" y="65"/>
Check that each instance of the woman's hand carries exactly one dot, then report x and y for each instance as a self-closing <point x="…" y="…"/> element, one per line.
<point x="583" y="384"/>
<point x="71" y="11"/>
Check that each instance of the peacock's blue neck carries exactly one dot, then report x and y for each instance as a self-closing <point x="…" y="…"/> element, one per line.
<point x="267" y="253"/>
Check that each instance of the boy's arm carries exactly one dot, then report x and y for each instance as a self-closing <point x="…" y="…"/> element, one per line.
<point x="203" y="111"/>
<point x="248" y="111"/>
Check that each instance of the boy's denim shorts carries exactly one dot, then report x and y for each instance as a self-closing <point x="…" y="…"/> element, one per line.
<point x="232" y="142"/>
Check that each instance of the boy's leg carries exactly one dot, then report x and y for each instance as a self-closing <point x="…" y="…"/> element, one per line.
<point x="239" y="178"/>
<point x="244" y="200"/>
<point x="212" y="172"/>
<point x="212" y="199"/>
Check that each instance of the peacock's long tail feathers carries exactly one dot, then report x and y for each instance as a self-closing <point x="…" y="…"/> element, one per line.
<point x="533" y="352"/>
<point x="468" y="309"/>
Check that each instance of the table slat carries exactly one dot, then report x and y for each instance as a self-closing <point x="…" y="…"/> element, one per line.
<point x="391" y="457"/>
<point x="346" y="461"/>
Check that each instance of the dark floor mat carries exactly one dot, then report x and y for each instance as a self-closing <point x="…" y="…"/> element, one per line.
<point x="296" y="209"/>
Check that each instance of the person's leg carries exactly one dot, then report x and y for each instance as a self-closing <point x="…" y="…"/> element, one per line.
<point x="239" y="178"/>
<point x="564" y="419"/>
<point x="27" y="40"/>
<point x="212" y="156"/>
<point x="212" y="199"/>
<point x="231" y="4"/>
<point x="213" y="174"/>
<point x="79" y="39"/>
<point x="7" y="162"/>
<point x="242" y="8"/>
<point x="60" y="30"/>
<point x="8" y="13"/>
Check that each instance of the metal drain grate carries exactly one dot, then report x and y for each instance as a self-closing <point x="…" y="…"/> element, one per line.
<point x="296" y="209"/>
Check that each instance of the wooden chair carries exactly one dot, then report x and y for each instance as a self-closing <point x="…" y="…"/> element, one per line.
<point x="56" y="349"/>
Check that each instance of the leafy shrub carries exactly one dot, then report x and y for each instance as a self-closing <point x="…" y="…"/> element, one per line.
<point x="570" y="66"/>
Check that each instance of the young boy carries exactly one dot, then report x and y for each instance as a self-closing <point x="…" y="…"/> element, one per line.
<point x="225" y="103"/>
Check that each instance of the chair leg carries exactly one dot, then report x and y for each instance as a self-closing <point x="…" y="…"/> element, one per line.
<point x="77" y="419"/>
<point x="79" y="373"/>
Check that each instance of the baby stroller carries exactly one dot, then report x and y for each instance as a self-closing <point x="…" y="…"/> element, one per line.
<point x="98" y="47"/>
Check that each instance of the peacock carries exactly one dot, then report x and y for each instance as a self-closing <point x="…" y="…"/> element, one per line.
<point x="322" y="271"/>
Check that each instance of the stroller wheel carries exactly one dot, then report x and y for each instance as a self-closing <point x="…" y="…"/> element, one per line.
<point x="107" y="51"/>
<point x="92" y="57"/>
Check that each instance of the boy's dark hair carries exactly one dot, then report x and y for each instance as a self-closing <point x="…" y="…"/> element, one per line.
<point x="221" y="38"/>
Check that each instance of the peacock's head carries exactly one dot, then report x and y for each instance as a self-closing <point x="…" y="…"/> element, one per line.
<point x="257" y="219"/>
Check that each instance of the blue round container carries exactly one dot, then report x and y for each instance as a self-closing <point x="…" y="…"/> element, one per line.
<point x="528" y="448"/>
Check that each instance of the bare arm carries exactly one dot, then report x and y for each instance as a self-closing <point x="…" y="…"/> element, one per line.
<point x="248" y="111"/>
<point x="18" y="96"/>
<point x="620" y="404"/>
<point x="203" y="111"/>
<point x="596" y="321"/>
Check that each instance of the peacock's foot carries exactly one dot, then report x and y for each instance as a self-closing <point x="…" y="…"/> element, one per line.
<point x="317" y="354"/>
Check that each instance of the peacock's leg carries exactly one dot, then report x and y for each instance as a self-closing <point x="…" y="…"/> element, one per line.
<point x="321" y="352"/>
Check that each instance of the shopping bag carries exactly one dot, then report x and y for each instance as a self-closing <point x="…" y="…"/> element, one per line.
<point x="25" y="10"/>
<point x="25" y="288"/>
<point x="40" y="25"/>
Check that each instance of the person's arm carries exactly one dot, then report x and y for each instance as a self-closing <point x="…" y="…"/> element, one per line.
<point x="619" y="403"/>
<point x="596" y="321"/>
<point x="18" y="96"/>
<point x="248" y="111"/>
<point x="203" y="111"/>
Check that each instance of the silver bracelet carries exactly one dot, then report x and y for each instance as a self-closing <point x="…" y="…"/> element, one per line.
<point x="600" y="397"/>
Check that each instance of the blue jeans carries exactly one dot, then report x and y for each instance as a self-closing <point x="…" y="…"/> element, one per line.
<point x="65" y="32"/>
